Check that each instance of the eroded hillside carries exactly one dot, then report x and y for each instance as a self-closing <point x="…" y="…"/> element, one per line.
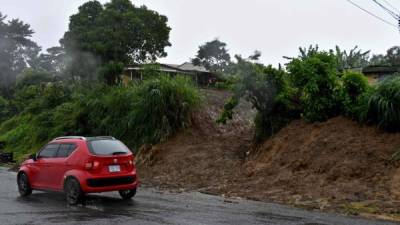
<point x="335" y="165"/>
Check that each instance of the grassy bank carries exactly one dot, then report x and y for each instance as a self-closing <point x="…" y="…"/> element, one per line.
<point x="146" y="112"/>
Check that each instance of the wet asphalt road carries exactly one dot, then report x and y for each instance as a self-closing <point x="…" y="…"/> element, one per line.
<point x="152" y="207"/>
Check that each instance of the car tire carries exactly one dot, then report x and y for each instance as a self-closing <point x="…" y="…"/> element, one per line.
<point x="73" y="191"/>
<point x="24" y="186"/>
<point x="127" y="194"/>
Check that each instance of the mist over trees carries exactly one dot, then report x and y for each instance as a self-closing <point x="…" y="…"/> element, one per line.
<point x="17" y="51"/>
<point x="100" y="40"/>
<point x="71" y="89"/>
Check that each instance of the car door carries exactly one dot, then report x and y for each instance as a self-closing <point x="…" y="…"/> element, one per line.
<point x="44" y="174"/>
<point x="59" y="165"/>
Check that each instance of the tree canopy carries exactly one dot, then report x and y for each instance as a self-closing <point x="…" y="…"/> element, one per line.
<point x="117" y="31"/>
<point x="213" y="56"/>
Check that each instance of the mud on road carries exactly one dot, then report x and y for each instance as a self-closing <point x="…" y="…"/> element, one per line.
<point x="153" y="207"/>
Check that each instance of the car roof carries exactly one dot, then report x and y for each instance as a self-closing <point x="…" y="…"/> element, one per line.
<point x="83" y="138"/>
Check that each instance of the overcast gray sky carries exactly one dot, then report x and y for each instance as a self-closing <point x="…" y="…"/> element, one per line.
<point x="275" y="27"/>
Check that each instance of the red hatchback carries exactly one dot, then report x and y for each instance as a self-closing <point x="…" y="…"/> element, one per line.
<point x="79" y="165"/>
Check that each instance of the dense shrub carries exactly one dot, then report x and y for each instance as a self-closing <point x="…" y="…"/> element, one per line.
<point x="384" y="105"/>
<point x="356" y="91"/>
<point x="37" y="98"/>
<point x="33" y="77"/>
<point x="137" y="114"/>
<point x="226" y="82"/>
<point x="314" y="76"/>
<point x="145" y="113"/>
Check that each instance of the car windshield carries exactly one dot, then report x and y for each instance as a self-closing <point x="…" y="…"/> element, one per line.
<point x="107" y="147"/>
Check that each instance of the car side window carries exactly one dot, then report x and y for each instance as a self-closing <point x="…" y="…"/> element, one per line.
<point x="49" y="151"/>
<point x="65" y="150"/>
<point x="71" y="149"/>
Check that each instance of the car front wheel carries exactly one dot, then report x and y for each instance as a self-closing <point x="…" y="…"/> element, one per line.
<point x="73" y="191"/>
<point x="127" y="194"/>
<point x="24" y="187"/>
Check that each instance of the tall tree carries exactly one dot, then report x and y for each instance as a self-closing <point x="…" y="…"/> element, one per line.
<point x="17" y="51"/>
<point x="355" y="58"/>
<point x="393" y="56"/>
<point x="213" y="56"/>
<point x="117" y="31"/>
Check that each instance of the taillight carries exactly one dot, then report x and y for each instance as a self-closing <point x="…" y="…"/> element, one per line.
<point x="92" y="165"/>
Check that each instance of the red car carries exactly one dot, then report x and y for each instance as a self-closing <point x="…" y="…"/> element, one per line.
<point x="78" y="165"/>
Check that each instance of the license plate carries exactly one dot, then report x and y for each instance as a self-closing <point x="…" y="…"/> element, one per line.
<point x="114" y="168"/>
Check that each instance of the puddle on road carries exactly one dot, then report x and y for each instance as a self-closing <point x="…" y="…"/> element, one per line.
<point x="55" y="209"/>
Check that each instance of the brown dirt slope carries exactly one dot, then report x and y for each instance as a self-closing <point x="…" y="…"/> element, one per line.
<point x="335" y="165"/>
<point x="328" y="164"/>
<point x="204" y="156"/>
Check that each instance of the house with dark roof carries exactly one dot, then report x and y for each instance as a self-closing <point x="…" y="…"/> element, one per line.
<point x="200" y="75"/>
<point x="378" y="73"/>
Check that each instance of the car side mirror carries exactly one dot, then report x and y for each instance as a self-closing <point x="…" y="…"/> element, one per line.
<point x="33" y="157"/>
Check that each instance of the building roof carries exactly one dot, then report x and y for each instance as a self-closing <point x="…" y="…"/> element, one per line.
<point x="380" y="69"/>
<point x="183" y="68"/>
<point x="191" y="67"/>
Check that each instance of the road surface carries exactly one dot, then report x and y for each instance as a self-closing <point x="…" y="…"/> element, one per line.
<point x="153" y="207"/>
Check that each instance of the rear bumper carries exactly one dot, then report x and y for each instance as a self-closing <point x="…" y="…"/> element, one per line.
<point x="110" y="183"/>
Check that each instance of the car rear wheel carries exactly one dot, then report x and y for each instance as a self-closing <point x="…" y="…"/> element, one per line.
<point x="127" y="194"/>
<point x="24" y="187"/>
<point x="73" y="191"/>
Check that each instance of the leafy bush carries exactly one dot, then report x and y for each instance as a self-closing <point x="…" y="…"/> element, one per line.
<point x="314" y="76"/>
<point x="356" y="91"/>
<point x="384" y="105"/>
<point x="226" y="81"/>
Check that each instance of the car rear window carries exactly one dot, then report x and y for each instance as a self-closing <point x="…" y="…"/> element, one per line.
<point x="107" y="147"/>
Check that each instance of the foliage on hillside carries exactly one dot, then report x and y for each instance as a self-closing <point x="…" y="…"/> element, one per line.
<point x="148" y="112"/>
<point x="384" y="105"/>
<point x="355" y="94"/>
<point x="315" y="79"/>
<point x="312" y="87"/>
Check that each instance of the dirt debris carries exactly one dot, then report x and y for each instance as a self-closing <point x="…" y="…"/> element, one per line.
<point x="336" y="165"/>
